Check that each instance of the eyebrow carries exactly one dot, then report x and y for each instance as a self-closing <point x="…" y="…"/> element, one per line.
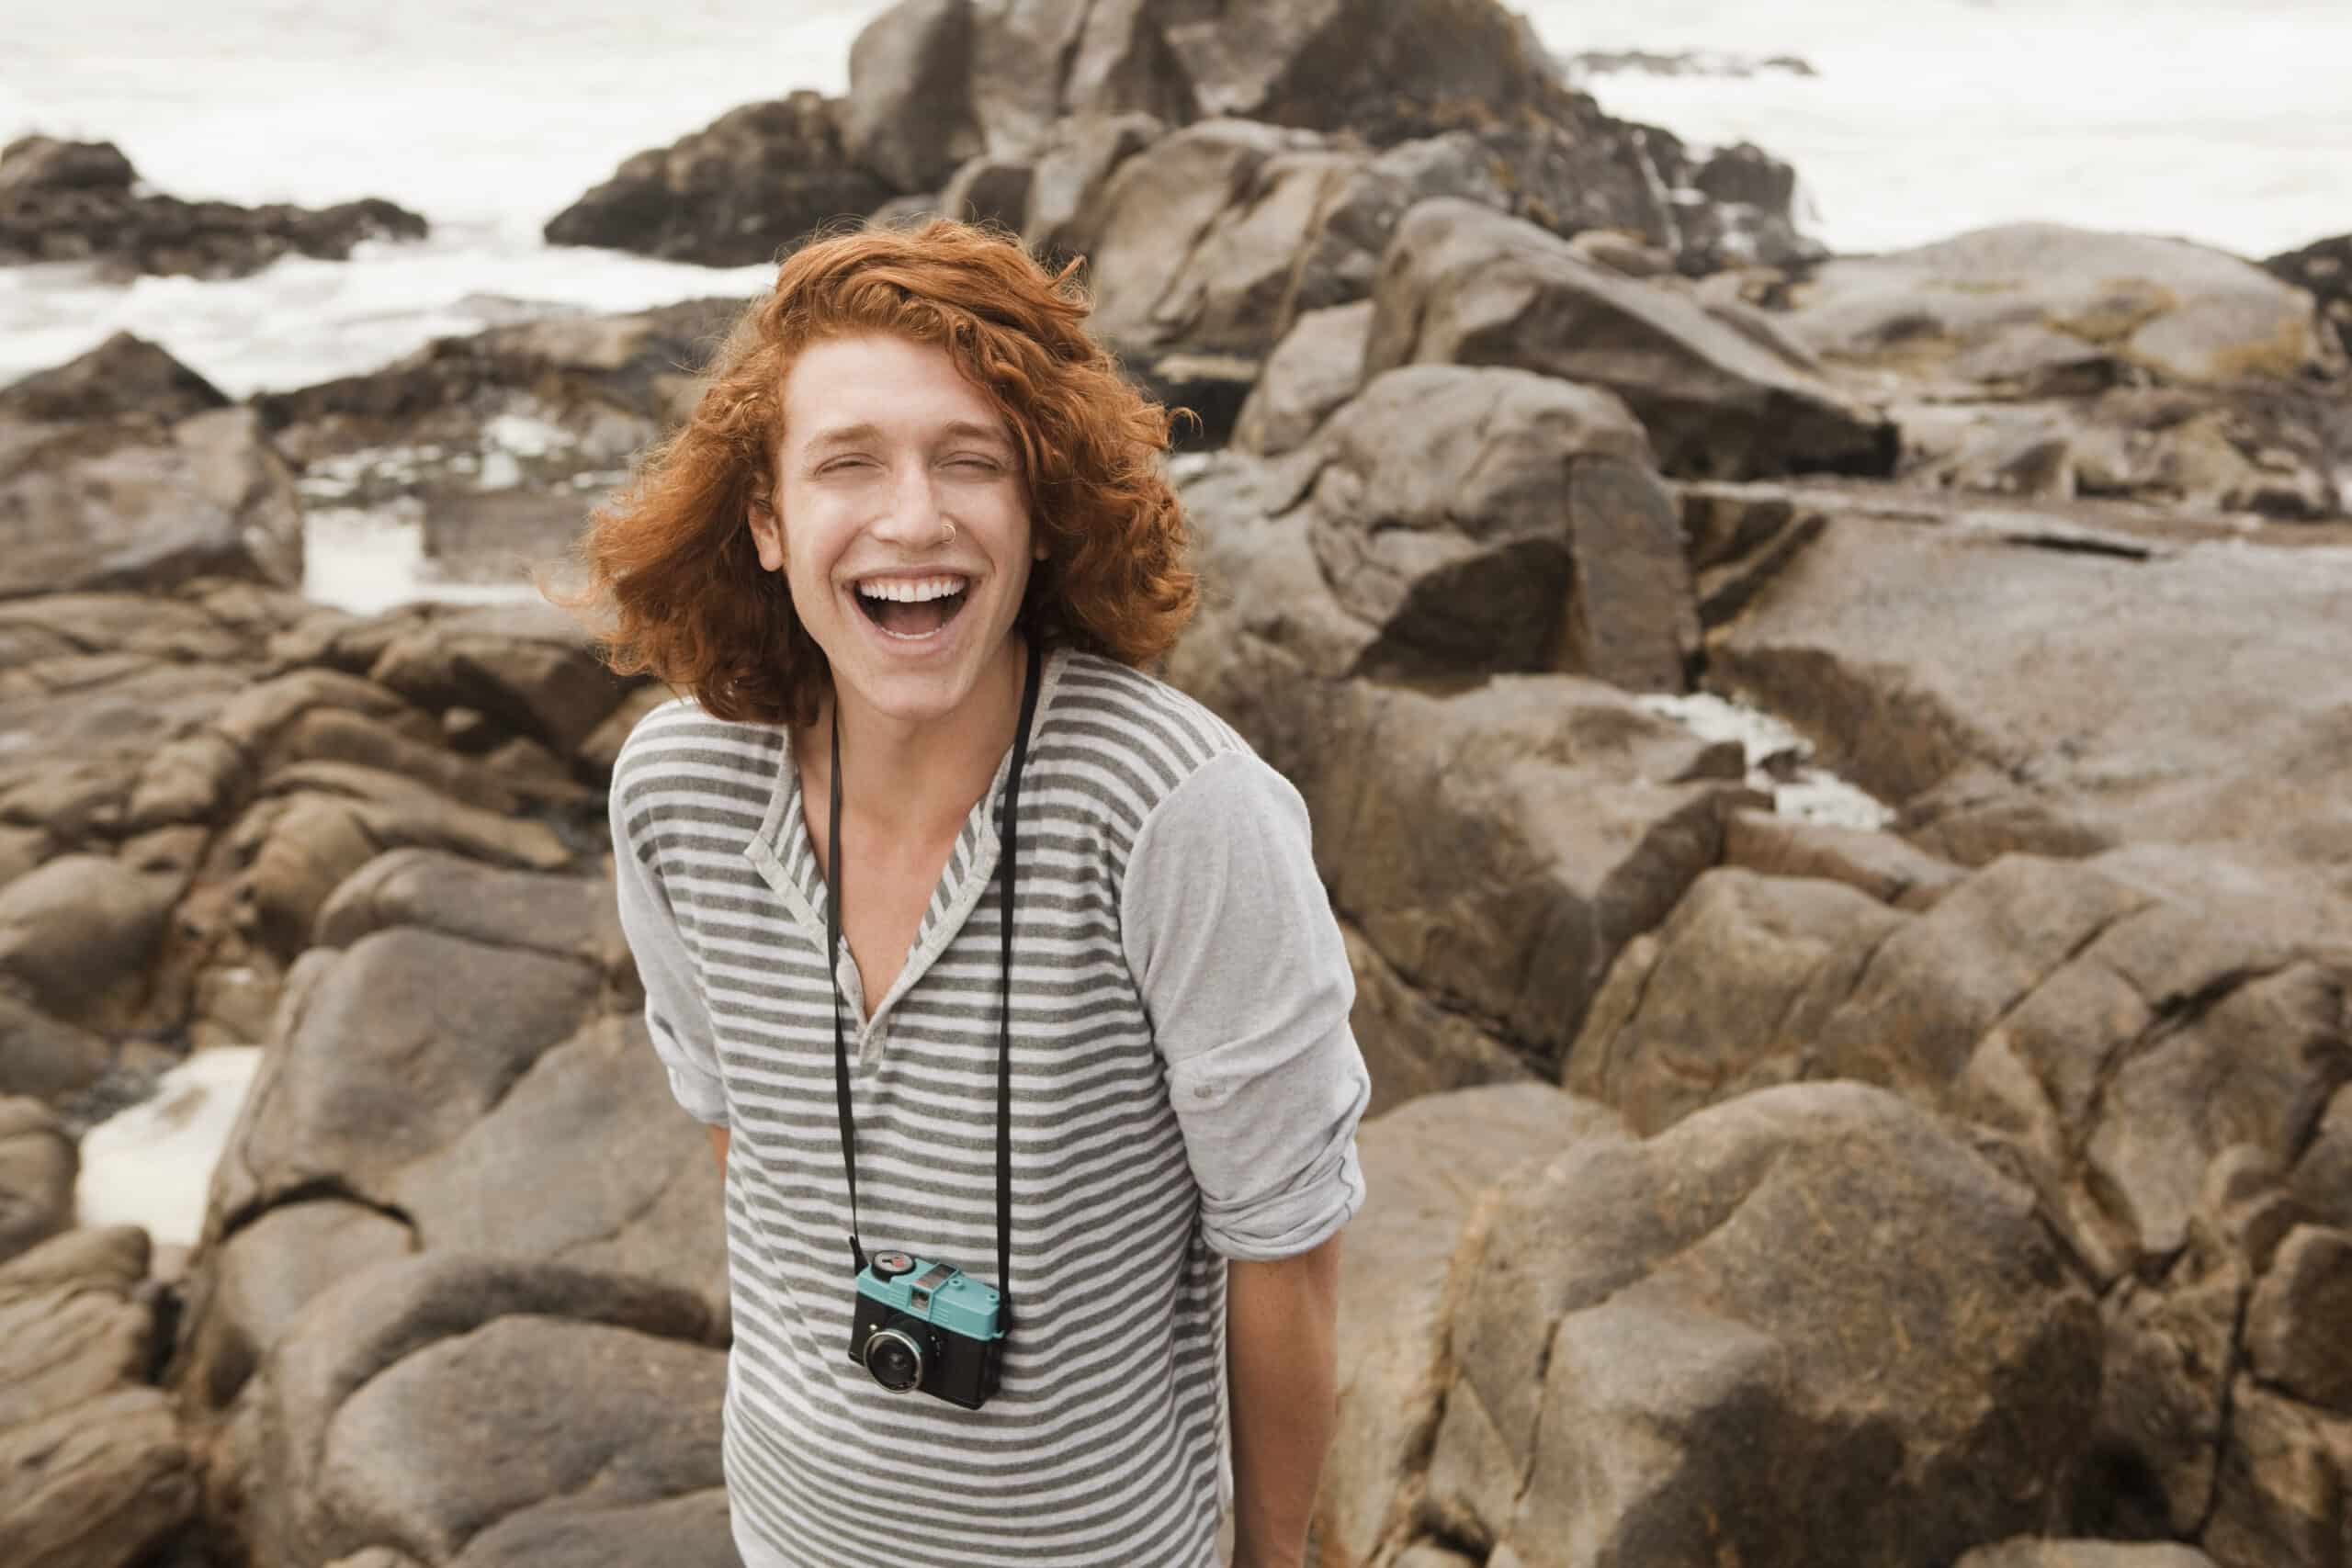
<point x="857" y="435"/>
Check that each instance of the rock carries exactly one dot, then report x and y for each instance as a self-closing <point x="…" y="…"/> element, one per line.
<point x="100" y="1486"/>
<point x="1989" y="663"/>
<point x="1317" y="367"/>
<point x="1391" y="71"/>
<point x="2322" y="269"/>
<point x="692" y="1529"/>
<point x="1069" y="170"/>
<point x="1433" y="1162"/>
<point x="528" y="667"/>
<point x="124" y="504"/>
<point x="751" y="184"/>
<point x="74" y="1330"/>
<point x="1460" y="284"/>
<point x="559" y="916"/>
<point x="612" y="1396"/>
<point x="1817" y="1272"/>
<point x="1731" y="994"/>
<point x="444" y="1026"/>
<point x="1192" y="241"/>
<point x="78" y="201"/>
<point x="1880" y="865"/>
<point x="909" y="117"/>
<point x="2294" y="1325"/>
<point x="2283" y="1476"/>
<point x="1441" y="829"/>
<point x="1413" y="1047"/>
<point x="2027" y="1551"/>
<point x="38" y="1167"/>
<point x="2322" y="1176"/>
<point x="93" y="1468"/>
<point x="44" y="1059"/>
<point x="258" y="1281"/>
<point x="991" y="190"/>
<point x="2020" y="300"/>
<point x="78" y="935"/>
<point x="125" y="375"/>
<point x="1486" y="520"/>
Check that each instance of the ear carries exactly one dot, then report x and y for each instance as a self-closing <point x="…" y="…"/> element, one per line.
<point x="767" y="531"/>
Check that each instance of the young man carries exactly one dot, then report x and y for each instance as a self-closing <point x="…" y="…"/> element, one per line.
<point x="906" y="559"/>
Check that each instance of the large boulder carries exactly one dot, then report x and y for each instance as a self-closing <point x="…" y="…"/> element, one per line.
<point x="499" y="1011"/>
<point x="94" y="1470"/>
<point x="68" y="201"/>
<point x="1811" y="1325"/>
<point x="1720" y="395"/>
<point x="2014" y="679"/>
<point x="1388" y="71"/>
<point x="752" y="183"/>
<point x="2027" y="302"/>
<point x="78" y="935"/>
<point x="134" y="503"/>
<point x="477" y="1411"/>
<point x="124" y="374"/>
<point x="2044" y="360"/>
<point x="908" y="117"/>
<point x="1433" y="1162"/>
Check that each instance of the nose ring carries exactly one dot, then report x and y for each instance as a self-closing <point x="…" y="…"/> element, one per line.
<point x="949" y="537"/>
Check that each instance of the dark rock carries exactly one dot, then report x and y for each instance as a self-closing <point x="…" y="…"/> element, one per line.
<point x="38" y="1166"/>
<point x="124" y="374"/>
<point x="78" y="201"/>
<point x="1486" y="520"/>
<point x="751" y="185"/>
<point x="908" y="117"/>
<point x="2323" y="268"/>
<point x="1466" y="285"/>
<point x="2294" y="1325"/>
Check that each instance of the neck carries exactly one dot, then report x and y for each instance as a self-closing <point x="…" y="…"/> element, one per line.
<point x="920" y="778"/>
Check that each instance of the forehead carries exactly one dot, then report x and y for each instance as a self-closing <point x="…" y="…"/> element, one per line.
<point x="883" y="384"/>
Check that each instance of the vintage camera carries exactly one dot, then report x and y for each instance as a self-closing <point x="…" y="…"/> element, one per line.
<point x="928" y="1326"/>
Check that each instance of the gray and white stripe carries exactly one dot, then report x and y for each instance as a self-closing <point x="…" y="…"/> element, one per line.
<point x="1102" y="1446"/>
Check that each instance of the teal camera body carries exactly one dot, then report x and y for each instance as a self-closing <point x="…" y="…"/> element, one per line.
<point x="925" y="1325"/>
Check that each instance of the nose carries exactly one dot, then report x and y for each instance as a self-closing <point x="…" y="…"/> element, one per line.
<point x="911" y="517"/>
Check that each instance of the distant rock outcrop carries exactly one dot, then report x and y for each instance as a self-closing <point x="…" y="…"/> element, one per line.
<point x="63" y="201"/>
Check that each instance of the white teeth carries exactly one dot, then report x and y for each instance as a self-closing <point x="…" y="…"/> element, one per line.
<point x="911" y="591"/>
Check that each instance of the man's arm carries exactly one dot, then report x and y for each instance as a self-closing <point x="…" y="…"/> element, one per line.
<point x="718" y="1148"/>
<point x="1282" y="1358"/>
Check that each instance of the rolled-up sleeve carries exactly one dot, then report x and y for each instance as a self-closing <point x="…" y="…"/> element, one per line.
<point x="1246" y="981"/>
<point x="676" y="1014"/>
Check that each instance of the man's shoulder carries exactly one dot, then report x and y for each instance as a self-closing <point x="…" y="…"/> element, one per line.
<point x="681" y="744"/>
<point x="1157" y="735"/>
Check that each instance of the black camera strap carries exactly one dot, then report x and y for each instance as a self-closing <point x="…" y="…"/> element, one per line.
<point x="1009" y="870"/>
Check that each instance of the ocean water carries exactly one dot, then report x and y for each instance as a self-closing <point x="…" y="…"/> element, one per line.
<point x="2221" y="120"/>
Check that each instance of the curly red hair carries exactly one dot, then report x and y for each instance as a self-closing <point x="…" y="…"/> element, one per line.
<point x="672" y="574"/>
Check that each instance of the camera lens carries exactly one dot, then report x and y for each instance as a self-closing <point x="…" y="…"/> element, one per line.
<point x="894" y="1359"/>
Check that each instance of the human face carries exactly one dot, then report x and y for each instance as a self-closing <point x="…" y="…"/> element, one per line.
<point x="885" y="446"/>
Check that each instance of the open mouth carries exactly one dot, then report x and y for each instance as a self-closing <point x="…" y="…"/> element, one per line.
<point x="911" y="608"/>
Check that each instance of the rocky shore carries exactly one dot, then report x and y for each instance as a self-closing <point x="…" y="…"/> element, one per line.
<point x="1976" y="1191"/>
<point x="82" y="201"/>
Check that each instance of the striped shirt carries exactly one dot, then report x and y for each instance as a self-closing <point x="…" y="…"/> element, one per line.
<point x="1185" y="1089"/>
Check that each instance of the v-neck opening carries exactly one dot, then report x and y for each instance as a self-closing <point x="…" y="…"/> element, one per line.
<point x="785" y="854"/>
